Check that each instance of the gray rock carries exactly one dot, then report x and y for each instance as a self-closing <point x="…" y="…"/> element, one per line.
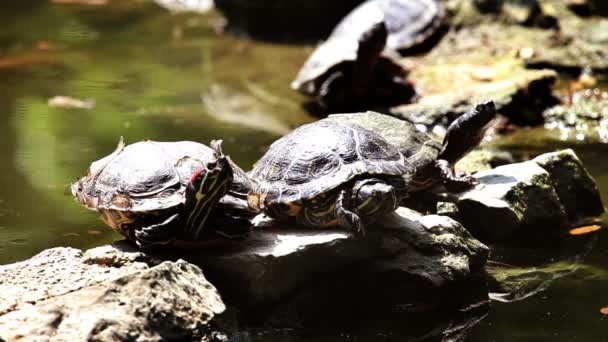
<point x="63" y="295"/>
<point x="277" y="268"/>
<point x="552" y="190"/>
<point x="509" y="198"/>
<point x="575" y="187"/>
<point x="58" y="271"/>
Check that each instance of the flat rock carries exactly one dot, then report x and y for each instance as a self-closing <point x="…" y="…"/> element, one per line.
<point x="428" y="253"/>
<point x="450" y="86"/>
<point x="105" y="294"/>
<point x="544" y="192"/>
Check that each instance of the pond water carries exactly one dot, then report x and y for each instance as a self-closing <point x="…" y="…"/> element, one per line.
<point x="161" y="76"/>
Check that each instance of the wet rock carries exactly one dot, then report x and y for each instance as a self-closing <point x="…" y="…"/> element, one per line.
<point x="583" y="116"/>
<point x="104" y="294"/>
<point x="484" y="159"/>
<point x="451" y="86"/>
<point x="575" y="187"/>
<point x="574" y="42"/>
<point x="289" y="271"/>
<point x="546" y="192"/>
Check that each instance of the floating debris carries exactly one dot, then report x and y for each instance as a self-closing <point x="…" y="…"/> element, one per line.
<point x="70" y="102"/>
<point x="604" y="310"/>
<point x="585" y="230"/>
<point x="197" y="6"/>
<point x="94" y="232"/>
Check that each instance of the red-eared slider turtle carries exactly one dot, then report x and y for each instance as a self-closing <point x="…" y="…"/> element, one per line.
<point x="434" y="161"/>
<point x="329" y="173"/>
<point x="409" y="22"/>
<point x="156" y="192"/>
<point x="351" y="71"/>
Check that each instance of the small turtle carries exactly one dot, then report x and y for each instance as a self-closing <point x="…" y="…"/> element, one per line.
<point x="409" y="22"/>
<point x="434" y="161"/>
<point x="350" y="71"/>
<point x="156" y="192"/>
<point x="330" y="174"/>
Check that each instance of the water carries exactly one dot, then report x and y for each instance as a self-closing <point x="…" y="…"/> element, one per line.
<point x="155" y="75"/>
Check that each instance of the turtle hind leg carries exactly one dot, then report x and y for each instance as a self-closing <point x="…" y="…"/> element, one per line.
<point x="451" y="181"/>
<point x="157" y="234"/>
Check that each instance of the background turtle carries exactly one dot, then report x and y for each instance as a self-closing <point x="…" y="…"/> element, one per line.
<point x="155" y="192"/>
<point x="350" y="71"/>
<point x="330" y="173"/>
<point x="434" y="161"/>
<point x="409" y="22"/>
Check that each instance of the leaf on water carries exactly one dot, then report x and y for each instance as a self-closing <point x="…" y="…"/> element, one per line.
<point x="604" y="310"/>
<point x="585" y="229"/>
<point x="70" y="102"/>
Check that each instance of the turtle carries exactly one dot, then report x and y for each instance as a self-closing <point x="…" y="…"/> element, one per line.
<point x="330" y="174"/>
<point x="155" y="193"/>
<point x="410" y="23"/>
<point x="434" y="161"/>
<point x="352" y="71"/>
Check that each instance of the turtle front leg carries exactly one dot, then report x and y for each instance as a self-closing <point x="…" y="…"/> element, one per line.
<point x="451" y="181"/>
<point x="347" y="218"/>
<point x="157" y="234"/>
<point x="332" y="91"/>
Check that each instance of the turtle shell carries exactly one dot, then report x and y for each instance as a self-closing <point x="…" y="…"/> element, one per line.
<point x="142" y="183"/>
<point x="418" y="147"/>
<point x="337" y="52"/>
<point x="319" y="157"/>
<point x="409" y="22"/>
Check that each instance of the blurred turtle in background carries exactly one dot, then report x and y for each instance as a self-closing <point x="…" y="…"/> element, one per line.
<point x="352" y="71"/>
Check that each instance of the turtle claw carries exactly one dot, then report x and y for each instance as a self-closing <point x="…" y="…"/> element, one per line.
<point x="156" y="234"/>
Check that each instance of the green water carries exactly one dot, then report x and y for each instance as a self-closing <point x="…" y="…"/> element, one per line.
<point x="161" y="76"/>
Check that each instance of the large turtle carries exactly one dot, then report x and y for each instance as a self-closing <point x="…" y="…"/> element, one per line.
<point x="409" y="22"/>
<point x="351" y="71"/>
<point x="330" y="174"/>
<point x="434" y="160"/>
<point x="157" y="192"/>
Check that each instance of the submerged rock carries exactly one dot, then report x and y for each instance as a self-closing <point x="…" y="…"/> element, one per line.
<point x="553" y="190"/>
<point x="106" y="294"/>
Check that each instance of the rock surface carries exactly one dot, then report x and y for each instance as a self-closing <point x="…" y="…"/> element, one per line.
<point x="552" y="190"/>
<point x="105" y="294"/>
<point x="277" y="269"/>
<point x="450" y="86"/>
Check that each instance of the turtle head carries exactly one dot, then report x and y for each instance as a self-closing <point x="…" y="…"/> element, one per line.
<point x="206" y="187"/>
<point x="466" y="132"/>
<point x="372" y="41"/>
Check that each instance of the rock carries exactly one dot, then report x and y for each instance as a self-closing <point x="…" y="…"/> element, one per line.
<point x="70" y="296"/>
<point x="574" y="42"/>
<point x="449" y="87"/>
<point x="583" y="116"/>
<point x="430" y="263"/>
<point x="575" y="187"/>
<point x="58" y="271"/>
<point x="288" y="271"/>
<point x="541" y="193"/>
<point x="484" y="159"/>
